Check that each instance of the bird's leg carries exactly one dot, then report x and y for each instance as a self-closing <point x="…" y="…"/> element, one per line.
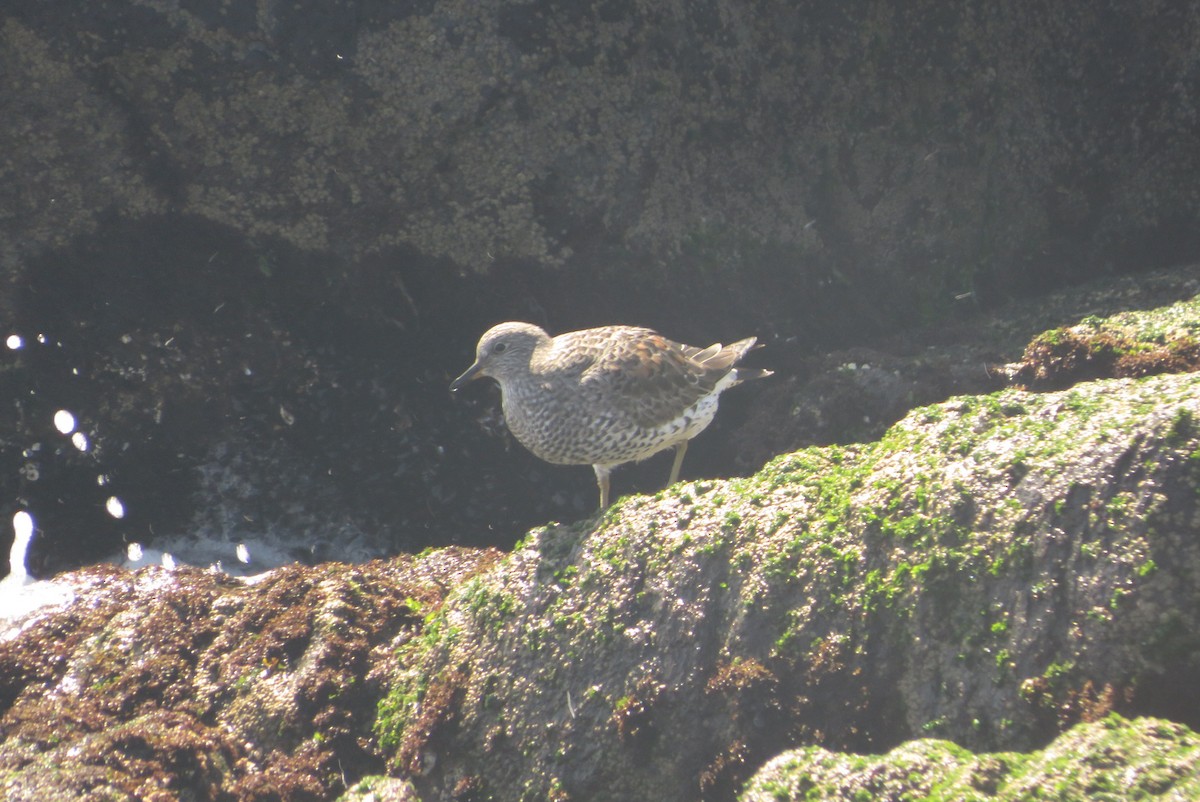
<point x="680" y="450"/>
<point x="602" y="472"/>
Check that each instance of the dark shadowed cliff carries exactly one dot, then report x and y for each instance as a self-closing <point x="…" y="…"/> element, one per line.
<point x="259" y="240"/>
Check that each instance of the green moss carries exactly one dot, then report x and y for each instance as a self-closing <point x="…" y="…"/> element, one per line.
<point x="1112" y="759"/>
<point x="564" y="577"/>
<point x="881" y="589"/>
<point x="395" y="711"/>
<point x="490" y="607"/>
<point x="927" y="521"/>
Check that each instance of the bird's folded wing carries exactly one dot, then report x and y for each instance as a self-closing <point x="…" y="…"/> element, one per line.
<point x="651" y="379"/>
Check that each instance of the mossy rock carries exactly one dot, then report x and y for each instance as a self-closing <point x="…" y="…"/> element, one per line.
<point x="1113" y="759"/>
<point x="1129" y="344"/>
<point x="993" y="570"/>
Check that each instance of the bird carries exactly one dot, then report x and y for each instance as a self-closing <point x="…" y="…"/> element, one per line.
<point x="608" y="395"/>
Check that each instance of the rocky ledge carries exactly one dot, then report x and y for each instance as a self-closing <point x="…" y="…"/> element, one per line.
<point x="1109" y="759"/>
<point x="995" y="571"/>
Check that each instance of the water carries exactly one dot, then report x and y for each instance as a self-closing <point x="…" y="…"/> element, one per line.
<point x="20" y="595"/>
<point x="248" y="503"/>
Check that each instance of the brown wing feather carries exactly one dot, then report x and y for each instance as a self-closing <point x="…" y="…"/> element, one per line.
<point x="652" y="379"/>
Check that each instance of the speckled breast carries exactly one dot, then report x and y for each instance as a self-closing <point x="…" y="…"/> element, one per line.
<point x="591" y="433"/>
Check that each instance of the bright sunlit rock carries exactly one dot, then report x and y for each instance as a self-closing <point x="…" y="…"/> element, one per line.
<point x="115" y="507"/>
<point x="64" y="421"/>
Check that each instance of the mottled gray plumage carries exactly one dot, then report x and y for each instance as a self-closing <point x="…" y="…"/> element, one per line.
<point x="608" y="395"/>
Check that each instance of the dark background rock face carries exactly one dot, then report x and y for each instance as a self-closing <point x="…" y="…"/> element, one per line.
<point x="260" y="240"/>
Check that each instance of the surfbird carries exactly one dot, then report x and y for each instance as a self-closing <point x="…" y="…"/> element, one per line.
<point x="605" y="396"/>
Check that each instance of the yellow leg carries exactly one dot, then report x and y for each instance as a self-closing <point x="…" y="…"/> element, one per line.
<point x="602" y="473"/>
<point x="680" y="450"/>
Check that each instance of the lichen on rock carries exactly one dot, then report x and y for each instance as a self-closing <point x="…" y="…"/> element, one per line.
<point x="994" y="569"/>
<point x="1112" y="758"/>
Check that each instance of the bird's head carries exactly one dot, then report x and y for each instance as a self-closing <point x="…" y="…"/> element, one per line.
<point x="503" y="351"/>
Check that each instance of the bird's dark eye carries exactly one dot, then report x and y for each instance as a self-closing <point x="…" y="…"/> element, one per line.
<point x="499" y="348"/>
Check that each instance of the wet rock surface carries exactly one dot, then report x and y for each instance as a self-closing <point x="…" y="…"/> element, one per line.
<point x="258" y="244"/>
<point x="854" y="394"/>
<point x="992" y="571"/>
<point x="1120" y="759"/>
<point x="189" y="684"/>
<point x="248" y="248"/>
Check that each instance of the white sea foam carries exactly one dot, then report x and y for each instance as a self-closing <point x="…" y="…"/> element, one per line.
<point x="242" y="558"/>
<point x="20" y="595"/>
